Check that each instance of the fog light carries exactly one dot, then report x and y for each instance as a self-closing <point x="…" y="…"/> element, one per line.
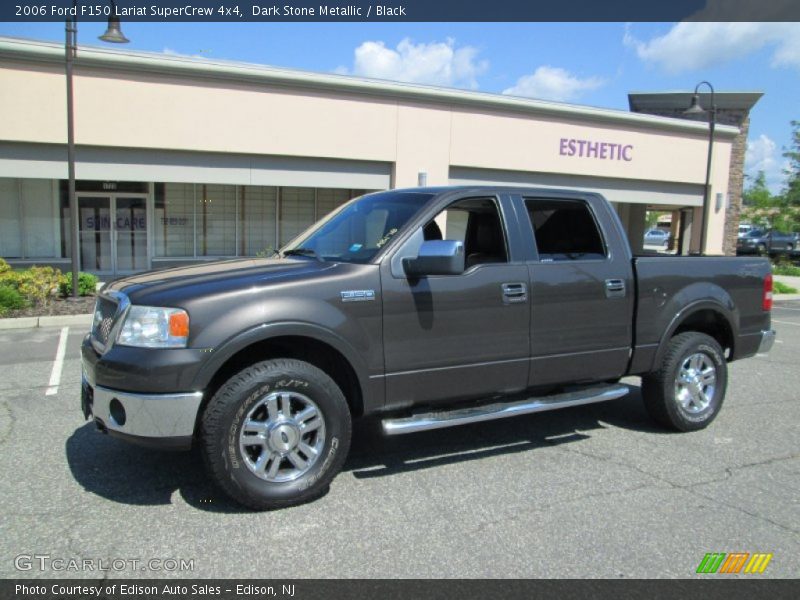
<point x="117" y="412"/>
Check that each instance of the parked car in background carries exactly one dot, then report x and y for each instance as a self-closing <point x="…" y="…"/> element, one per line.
<point x="772" y="242"/>
<point x="656" y="237"/>
<point x="744" y="229"/>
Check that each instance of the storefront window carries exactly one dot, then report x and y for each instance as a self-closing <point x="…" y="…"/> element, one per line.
<point x="207" y="220"/>
<point x="174" y="220"/>
<point x="28" y="219"/>
<point x="216" y="220"/>
<point x="257" y="209"/>
<point x="297" y="212"/>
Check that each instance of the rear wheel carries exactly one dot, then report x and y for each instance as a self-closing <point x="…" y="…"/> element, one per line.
<point x="687" y="392"/>
<point x="276" y="434"/>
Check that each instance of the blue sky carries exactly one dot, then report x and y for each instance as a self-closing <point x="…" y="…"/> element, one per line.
<point x="586" y="63"/>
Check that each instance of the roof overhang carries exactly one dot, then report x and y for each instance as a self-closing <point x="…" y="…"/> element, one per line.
<point x="682" y="100"/>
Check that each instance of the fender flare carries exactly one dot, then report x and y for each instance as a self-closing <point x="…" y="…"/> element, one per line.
<point x="266" y="331"/>
<point x="686" y="312"/>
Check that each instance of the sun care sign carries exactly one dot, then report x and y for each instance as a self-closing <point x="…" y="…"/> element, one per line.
<point x="734" y="562"/>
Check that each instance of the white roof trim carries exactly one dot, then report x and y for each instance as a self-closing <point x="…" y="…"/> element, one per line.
<point x="39" y="51"/>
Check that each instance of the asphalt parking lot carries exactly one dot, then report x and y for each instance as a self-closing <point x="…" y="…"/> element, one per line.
<point x="594" y="491"/>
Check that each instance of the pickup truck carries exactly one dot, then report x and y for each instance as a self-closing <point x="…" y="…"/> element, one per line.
<point x="428" y="307"/>
<point x="768" y="243"/>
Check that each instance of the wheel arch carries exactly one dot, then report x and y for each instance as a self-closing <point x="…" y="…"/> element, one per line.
<point x="301" y="341"/>
<point x="705" y="316"/>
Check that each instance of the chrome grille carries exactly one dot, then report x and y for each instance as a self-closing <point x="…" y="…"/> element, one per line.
<point x="105" y="312"/>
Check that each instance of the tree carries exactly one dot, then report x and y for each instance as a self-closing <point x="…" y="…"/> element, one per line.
<point x="757" y="194"/>
<point x="792" y="193"/>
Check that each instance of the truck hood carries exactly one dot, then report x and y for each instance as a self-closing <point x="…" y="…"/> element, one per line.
<point x="169" y="287"/>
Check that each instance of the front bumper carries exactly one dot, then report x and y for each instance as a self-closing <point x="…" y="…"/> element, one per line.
<point x="157" y="420"/>
<point x="767" y="340"/>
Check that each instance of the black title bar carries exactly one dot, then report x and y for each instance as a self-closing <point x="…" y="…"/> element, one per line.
<point x="709" y="588"/>
<point x="402" y="10"/>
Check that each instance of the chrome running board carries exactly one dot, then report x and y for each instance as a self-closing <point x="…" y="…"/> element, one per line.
<point x="501" y="410"/>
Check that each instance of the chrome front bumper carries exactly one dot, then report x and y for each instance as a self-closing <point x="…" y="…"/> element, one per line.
<point x="145" y="416"/>
<point x="767" y="340"/>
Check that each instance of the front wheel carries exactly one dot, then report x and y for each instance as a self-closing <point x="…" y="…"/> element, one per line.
<point x="687" y="392"/>
<point x="276" y="434"/>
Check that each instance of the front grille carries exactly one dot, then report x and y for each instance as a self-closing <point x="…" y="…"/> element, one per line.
<point x="105" y="312"/>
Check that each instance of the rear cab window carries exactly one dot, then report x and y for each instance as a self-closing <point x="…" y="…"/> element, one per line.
<point x="565" y="230"/>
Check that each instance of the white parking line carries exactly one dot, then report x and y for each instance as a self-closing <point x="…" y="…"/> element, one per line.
<point x="785" y="322"/>
<point x="55" y="375"/>
<point x="784" y="308"/>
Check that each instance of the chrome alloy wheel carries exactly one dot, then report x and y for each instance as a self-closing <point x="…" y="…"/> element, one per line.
<point x="695" y="383"/>
<point x="282" y="436"/>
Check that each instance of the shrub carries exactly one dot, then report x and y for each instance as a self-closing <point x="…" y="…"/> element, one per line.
<point x="10" y="299"/>
<point x="782" y="288"/>
<point x="87" y="284"/>
<point x="38" y="284"/>
<point x="4" y="267"/>
<point x="785" y="268"/>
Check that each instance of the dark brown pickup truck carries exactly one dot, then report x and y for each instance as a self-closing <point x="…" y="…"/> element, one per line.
<point x="432" y="307"/>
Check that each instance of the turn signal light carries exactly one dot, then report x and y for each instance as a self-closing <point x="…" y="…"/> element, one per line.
<point x="179" y="325"/>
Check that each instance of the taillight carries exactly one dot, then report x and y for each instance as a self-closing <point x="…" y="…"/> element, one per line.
<point x="766" y="299"/>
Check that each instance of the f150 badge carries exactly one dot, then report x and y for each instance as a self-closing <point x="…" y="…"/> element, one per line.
<point x="358" y="295"/>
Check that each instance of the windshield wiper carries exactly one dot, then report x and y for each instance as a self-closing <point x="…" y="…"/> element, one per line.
<point x="302" y="252"/>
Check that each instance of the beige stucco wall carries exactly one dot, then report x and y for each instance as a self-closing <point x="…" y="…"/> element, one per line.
<point x="139" y="110"/>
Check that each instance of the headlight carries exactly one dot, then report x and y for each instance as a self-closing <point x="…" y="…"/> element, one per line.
<point x="154" y="327"/>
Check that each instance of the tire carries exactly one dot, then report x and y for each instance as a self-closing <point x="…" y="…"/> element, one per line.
<point x="681" y="395"/>
<point x="276" y="434"/>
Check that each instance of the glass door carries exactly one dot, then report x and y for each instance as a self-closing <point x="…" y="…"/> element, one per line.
<point x="112" y="246"/>
<point x="94" y="232"/>
<point x="130" y="231"/>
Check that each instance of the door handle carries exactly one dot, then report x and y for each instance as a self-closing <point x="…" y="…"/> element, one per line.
<point x="514" y="293"/>
<point x="615" y="288"/>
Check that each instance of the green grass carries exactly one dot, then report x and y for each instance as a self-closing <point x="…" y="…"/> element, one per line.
<point x="786" y="269"/>
<point x="782" y="288"/>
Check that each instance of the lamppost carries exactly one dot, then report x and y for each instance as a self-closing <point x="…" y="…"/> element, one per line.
<point x="697" y="109"/>
<point x="114" y="35"/>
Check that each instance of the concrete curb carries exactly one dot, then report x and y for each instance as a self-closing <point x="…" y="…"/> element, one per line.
<point x="778" y="298"/>
<point x="47" y="321"/>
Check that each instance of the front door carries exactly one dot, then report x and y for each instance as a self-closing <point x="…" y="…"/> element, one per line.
<point x="455" y="337"/>
<point x="113" y="233"/>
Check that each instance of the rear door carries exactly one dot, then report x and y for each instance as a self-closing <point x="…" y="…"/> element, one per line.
<point x="582" y="291"/>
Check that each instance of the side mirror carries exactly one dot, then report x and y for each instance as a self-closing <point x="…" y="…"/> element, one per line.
<point x="436" y="257"/>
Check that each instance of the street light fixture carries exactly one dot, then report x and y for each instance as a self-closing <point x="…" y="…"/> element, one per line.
<point x="114" y="35"/>
<point x="697" y="109"/>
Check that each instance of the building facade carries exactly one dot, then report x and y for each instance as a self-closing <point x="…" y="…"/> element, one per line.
<point x="183" y="160"/>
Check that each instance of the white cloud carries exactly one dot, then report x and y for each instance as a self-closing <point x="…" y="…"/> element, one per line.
<point x="435" y="63"/>
<point x="553" y="83"/>
<point x="689" y="46"/>
<point x="763" y="155"/>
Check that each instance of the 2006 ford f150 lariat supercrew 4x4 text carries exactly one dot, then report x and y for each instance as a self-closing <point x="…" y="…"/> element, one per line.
<point x="431" y="307"/>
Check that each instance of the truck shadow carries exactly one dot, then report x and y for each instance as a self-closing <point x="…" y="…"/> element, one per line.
<point x="127" y="474"/>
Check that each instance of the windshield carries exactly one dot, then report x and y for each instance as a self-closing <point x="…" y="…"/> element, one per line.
<point x="359" y="229"/>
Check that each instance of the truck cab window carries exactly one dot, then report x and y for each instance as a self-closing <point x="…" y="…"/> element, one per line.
<point x="564" y="230"/>
<point x="475" y="222"/>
